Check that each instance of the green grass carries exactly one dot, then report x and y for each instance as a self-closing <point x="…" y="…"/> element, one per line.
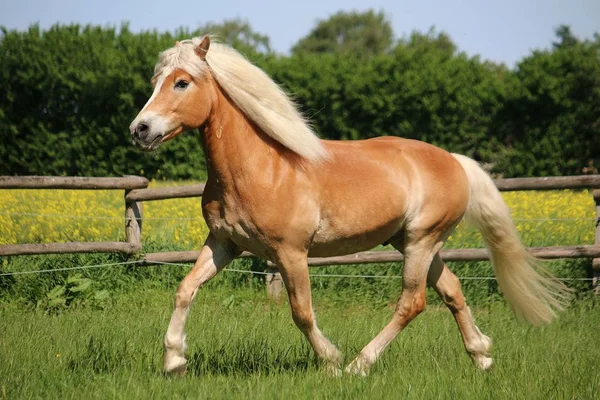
<point x="245" y="347"/>
<point x="60" y="339"/>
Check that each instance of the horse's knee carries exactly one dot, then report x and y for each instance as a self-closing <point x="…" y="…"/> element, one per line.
<point x="183" y="296"/>
<point x="419" y="304"/>
<point x="454" y="301"/>
<point x="409" y="308"/>
<point x="453" y="296"/>
<point x="303" y="318"/>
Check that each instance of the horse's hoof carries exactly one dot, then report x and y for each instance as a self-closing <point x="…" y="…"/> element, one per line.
<point x="482" y="362"/>
<point x="357" y="368"/>
<point x="175" y="365"/>
<point x="333" y="370"/>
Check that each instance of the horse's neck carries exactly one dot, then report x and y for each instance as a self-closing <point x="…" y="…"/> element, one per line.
<point x="237" y="152"/>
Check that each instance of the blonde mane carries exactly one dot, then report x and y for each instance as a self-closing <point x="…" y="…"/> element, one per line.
<point x="252" y="90"/>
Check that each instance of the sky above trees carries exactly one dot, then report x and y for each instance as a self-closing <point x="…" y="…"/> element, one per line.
<point x="499" y="31"/>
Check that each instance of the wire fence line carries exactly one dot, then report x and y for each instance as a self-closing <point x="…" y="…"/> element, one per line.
<point x="41" y="271"/>
<point x="199" y="218"/>
<point x="312" y="275"/>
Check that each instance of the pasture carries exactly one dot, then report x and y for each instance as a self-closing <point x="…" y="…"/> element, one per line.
<point x="242" y="346"/>
<point x="245" y="347"/>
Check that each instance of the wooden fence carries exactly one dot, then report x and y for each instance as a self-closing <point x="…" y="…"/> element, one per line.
<point x="137" y="192"/>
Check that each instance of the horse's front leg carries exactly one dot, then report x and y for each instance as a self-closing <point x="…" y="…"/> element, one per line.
<point x="294" y="272"/>
<point x="213" y="258"/>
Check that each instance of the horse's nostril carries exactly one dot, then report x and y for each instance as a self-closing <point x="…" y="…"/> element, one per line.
<point x="142" y="130"/>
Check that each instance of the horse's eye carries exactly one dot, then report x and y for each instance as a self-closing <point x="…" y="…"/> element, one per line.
<point x="181" y="84"/>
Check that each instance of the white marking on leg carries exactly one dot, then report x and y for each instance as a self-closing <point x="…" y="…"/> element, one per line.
<point x="212" y="259"/>
<point x="477" y="345"/>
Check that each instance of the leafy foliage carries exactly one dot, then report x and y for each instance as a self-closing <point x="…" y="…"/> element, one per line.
<point x="239" y="34"/>
<point x="551" y="118"/>
<point x="75" y="290"/>
<point x="360" y="34"/>
<point x="69" y="94"/>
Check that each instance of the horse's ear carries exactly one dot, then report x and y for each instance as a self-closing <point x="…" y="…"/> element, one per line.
<point x="202" y="48"/>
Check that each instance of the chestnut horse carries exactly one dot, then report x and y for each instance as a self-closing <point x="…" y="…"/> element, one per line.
<point x="278" y="191"/>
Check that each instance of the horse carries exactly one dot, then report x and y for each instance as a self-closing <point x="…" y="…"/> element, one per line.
<point x="275" y="189"/>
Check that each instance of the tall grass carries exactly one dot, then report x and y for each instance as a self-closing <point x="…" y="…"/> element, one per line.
<point x="246" y="347"/>
<point x="97" y="333"/>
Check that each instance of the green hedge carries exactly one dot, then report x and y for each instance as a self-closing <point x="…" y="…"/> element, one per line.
<point x="69" y="93"/>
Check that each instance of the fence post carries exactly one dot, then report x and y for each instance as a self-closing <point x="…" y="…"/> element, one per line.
<point x="133" y="222"/>
<point x="274" y="282"/>
<point x="596" y="261"/>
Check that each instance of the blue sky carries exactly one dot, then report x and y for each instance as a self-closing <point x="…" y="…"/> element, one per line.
<point x="498" y="30"/>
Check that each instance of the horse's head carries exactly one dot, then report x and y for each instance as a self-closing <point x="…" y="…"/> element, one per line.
<point x="183" y="95"/>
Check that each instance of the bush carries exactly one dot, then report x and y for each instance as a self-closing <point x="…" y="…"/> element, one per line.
<point x="69" y="94"/>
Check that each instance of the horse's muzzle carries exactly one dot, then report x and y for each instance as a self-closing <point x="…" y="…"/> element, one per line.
<point x="142" y="138"/>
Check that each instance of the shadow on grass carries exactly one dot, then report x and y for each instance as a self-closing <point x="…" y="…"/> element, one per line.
<point x="102" y="357"/>
<point x="239" y="358"/>
<point x="249" y="358"/>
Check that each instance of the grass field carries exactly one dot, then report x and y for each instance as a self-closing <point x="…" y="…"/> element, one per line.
<point x="248" y="348"/>
<point x="97" y="333"/>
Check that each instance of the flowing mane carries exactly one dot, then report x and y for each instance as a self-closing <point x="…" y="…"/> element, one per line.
<point x="252" y="90"/>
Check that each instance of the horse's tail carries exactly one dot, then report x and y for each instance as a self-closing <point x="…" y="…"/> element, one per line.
<point x="532" y="292"/>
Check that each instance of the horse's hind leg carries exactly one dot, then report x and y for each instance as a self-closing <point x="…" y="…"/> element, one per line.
<point x="418" y="256"/>
<point x="213" y="258"/>
<point x="447" y="286"/>
<point x="294" y="272"/>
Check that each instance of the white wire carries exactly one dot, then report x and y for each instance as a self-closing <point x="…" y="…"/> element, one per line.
<point x="488" y="278"/>
<point x="68" y="268"/>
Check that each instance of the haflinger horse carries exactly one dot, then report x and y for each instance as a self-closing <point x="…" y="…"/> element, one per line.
<point x="275" y="189"/>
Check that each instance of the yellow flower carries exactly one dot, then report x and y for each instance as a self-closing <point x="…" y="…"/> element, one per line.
<point x="40" y="216"/>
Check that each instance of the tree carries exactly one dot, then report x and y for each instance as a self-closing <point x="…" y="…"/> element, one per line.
<point x="70" y="92"/>
<point x="68" y="96"/>
<point x="239" y="34"/>
<point x="362" y="34"/>
<point x="551" y="121"/>
<point x="439" y="42"/>
<point x="565" y="37"/>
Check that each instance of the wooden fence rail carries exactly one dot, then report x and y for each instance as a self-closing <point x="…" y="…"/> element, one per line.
<point x="69" y="182"/>
<point x="136" y="192"/>
<point x="132" y="214"/>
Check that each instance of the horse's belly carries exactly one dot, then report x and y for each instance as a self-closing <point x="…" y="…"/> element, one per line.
<point x="335" y="240"/>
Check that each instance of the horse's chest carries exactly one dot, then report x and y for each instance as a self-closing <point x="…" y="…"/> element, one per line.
<point x="227" y="222"/>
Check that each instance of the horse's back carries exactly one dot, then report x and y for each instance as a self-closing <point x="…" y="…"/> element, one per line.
<point x="406" y="162"/>
<point x="371" y="189"/>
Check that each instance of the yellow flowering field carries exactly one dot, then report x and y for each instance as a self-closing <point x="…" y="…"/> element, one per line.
<point x="545" y="218"/>
<point x="42" y="216"/>
<point x="37" y="216"/>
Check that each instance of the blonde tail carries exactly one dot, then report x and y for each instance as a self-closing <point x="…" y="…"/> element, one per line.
<point x="532" y="292"/>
